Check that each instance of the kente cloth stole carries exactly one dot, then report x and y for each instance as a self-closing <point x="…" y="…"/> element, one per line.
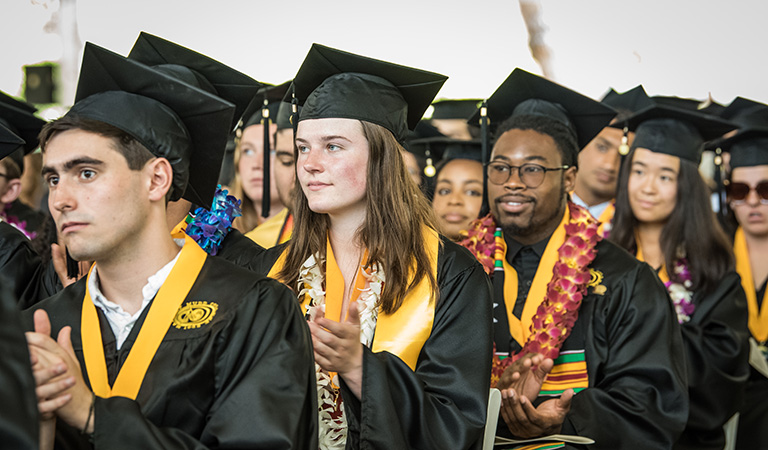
<point x="161" y="313"/>
<point x="758" y="314"/>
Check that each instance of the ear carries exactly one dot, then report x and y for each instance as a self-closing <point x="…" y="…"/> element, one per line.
<point x="11" y="192"/>
<point x="569" y="179"/>
<point x="160" y="178"/>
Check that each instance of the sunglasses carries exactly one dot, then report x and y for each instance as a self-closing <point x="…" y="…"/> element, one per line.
<point x="738" y="192"/>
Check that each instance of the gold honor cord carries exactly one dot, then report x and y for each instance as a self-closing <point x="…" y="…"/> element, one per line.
<point x="161" y="313"/>
<point x="520" y="329"/>
<point x="758" y="316"/>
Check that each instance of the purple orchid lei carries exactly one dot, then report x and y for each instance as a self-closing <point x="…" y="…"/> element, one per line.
<point x="679" y="292"/>
<point x="13" y="221"/>
<point x="209" y="228"/>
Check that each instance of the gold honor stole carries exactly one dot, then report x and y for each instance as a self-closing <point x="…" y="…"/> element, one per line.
<point x="758" y="316"/>
<point x="521" y="328"/>
<point x="272" y="231"/>
<point x="161" y="313"/>
<point x="662" y="273"/>
<point x="402" y="333"/>
<point x="606" y="216"/>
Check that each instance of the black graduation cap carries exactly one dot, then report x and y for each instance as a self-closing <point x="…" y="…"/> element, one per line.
<point x="455" y="108"/>
<point x="628" y="102"/>
<point x="748" y="148"/>
<point x="445" y="148"/>
<point x="674" y="131"/>
<point x="196" y="69"/>
<point x="524" y="93"/>
<point x="19" y="118"/>
<point x="336" y="84"/>
<point x="690" y="104"/>
<point x="10" y="142"/>
<point x="273" y="95"/>
<point x="171" y="118"/>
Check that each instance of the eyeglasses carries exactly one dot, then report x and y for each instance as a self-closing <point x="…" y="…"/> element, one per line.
<point x="738" y="192"/>
<point x="4" y="175"/>
<point x="532" y="175"/>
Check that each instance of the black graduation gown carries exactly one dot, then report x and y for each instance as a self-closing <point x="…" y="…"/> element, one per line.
<point x="716" y="341"/>
<point x="636" y="395"/>
<point x="243" y="380"/>
<point x="18" y="414"/>
<point x="753" y="417"/>
<point x="443" y="403"/>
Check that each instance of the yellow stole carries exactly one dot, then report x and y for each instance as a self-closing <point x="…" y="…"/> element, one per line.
<point x="606" y="216"/>
<point x="520" y="328"/>
<point x="662" y="273"/>
<point x="161" y="313"/>
<point x="402" y="333"/>
<point x="758" y="316"/>
<point x="272" y="231"/>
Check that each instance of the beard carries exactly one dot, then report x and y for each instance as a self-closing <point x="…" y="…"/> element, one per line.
<point x="534" y="224"/>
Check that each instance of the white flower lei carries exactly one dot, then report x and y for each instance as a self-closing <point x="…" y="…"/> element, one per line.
<point x="332" y="433"/>
<point x="680" y="294"/>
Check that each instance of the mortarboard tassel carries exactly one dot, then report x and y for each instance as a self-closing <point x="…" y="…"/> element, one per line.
<point x="718" y="176"/>
<point x="429" y="170"/>
<point x="624" y="147"/>
<point x="484" y="155"/>
<point x="265" y="199"/>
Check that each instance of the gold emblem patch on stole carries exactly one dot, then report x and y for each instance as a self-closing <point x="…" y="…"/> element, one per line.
<point x="194" y="315"/>
<point x="595" y="278"/>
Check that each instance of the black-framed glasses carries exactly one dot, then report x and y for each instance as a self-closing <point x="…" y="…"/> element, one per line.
<point x="532" y="175"/>
<point x="738" y="192"/>
<point x="4" y="175"/>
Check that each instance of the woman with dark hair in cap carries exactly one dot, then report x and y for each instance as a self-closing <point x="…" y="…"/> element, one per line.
<point x="458" y="195"/>
<point x="400" y="316"/>
<point x="663" y="216"/>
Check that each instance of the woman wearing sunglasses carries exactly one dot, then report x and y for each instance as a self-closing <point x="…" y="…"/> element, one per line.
<point x="748" y="199"/>
<point x="663" y="216"/>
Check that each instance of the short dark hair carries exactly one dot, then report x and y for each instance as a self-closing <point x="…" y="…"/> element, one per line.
<point x="563" y="136"/>
<point x="134" y="152"/>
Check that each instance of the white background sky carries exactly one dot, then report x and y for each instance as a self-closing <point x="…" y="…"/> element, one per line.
<point x="687" y="48"/>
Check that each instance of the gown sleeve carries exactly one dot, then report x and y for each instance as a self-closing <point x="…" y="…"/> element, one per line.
<point x="264" y="396"/>
<point x="716" y="341"/>
<point x="243" y="252"/>
<point x="18" y="417"/>
<point x="637" y="396"/>
<point x="28" y="278"/>
<point x="442" y="404"/>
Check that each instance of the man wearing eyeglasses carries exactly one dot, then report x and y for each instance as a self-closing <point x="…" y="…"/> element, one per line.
<point x="748" y="199"/>
<point x="586" y="339"/>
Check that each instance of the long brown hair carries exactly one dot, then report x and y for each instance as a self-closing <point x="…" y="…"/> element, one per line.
<point x="396" y="212"/>
<point x="691" y="228"/>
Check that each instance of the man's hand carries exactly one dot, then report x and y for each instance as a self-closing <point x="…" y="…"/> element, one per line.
<point x="525" y="421"/>
<point x="338" y="348"/>
<point x="526" y="375"/>
<point x="57" y="374"/>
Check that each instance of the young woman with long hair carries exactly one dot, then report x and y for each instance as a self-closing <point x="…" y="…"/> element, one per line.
<point x="400" y="316"/>
<point x="663" y="216"/>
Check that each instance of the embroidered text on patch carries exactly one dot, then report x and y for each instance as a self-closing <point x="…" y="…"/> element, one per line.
<point x="194" y="315"/>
